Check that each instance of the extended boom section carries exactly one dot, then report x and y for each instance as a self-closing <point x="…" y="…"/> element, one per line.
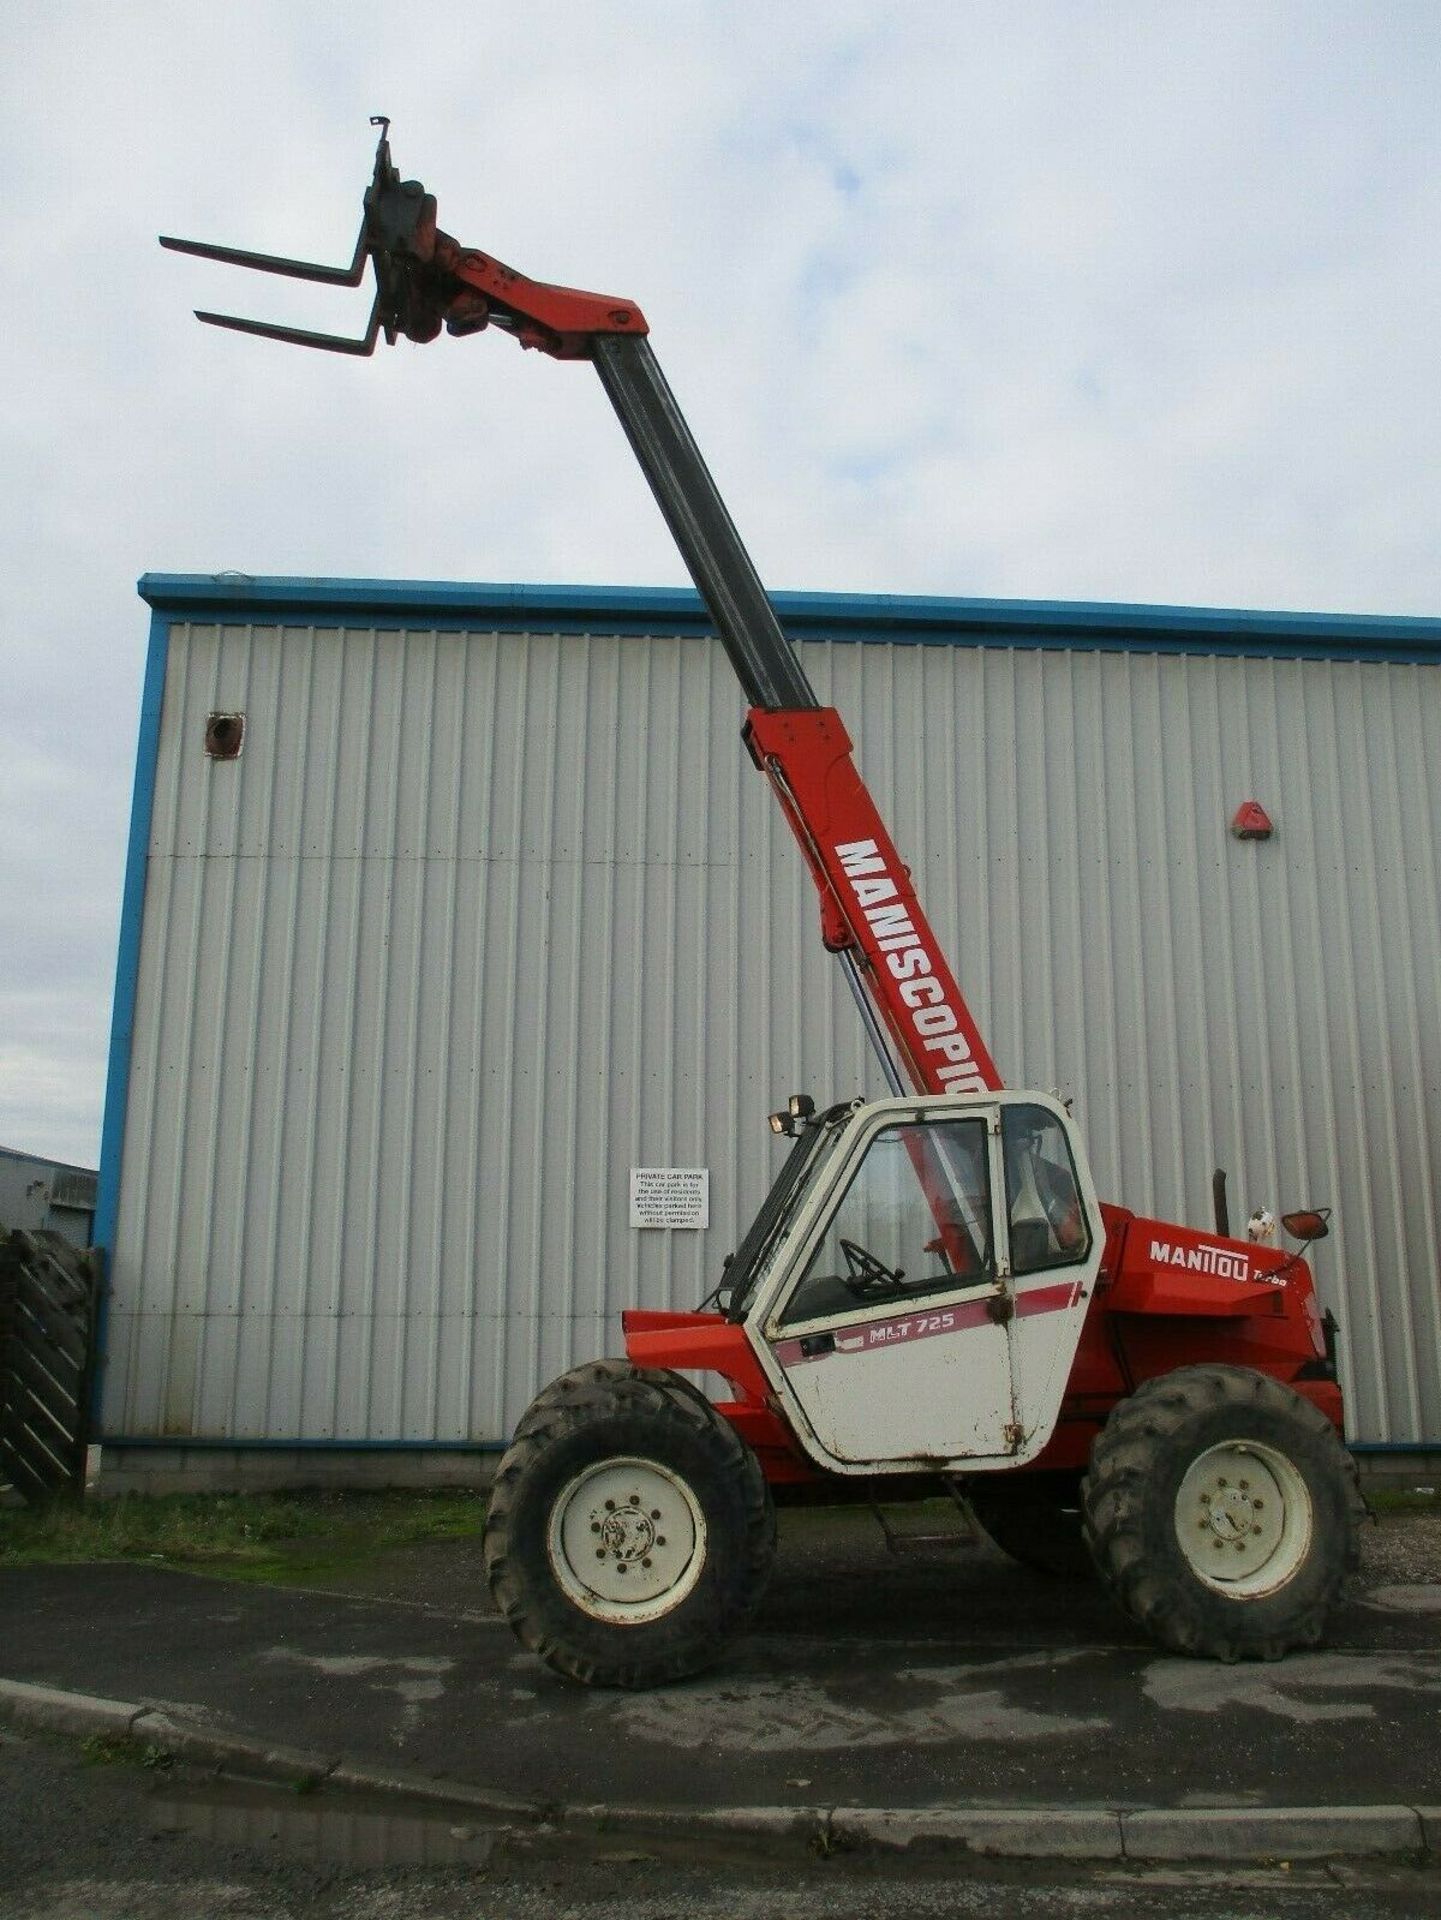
<point x="869" y="908"/>
<point x="427" y="283"/>
<point x="870" y="915"/>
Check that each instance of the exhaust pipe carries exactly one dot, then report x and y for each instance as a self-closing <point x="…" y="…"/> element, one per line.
<point x="1218" y="1201"/>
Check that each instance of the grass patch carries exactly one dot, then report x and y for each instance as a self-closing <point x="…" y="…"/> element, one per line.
<point x="275" y="1538"/>
<point x="1405" y="1499"/>
<point x="124" y="1750"/>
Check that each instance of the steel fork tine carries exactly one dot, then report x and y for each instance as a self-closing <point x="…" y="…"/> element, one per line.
<point x="350" y="276"/>
<point x="300" y="336"/>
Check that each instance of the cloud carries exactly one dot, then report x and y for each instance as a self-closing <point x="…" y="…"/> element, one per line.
<point x="1095" y="301"/>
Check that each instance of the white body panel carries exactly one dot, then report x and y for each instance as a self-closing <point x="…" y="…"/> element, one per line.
<point x="917" y="1387"/>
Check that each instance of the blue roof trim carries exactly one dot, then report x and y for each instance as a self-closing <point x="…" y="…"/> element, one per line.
<point x="848" y="617"/>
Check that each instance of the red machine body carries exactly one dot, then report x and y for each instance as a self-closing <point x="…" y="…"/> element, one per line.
<point x="1168" y="1297"/>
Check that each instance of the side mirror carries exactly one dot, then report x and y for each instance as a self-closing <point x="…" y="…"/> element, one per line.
<point x="1312" y="1223"/>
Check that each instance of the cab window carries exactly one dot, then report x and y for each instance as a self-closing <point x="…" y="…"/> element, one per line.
<point x="915" y="1220"/>
<point x="1048" y="1225"/>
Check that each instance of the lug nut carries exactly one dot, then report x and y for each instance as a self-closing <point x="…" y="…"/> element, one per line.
<point x="610" y="1506"/>
<point x="660" y="1539"/>
<point x="645" y="1563"/>
<point x="655" y="1513"/>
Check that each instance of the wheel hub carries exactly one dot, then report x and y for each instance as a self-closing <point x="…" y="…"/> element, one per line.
<point x="1243" y="1518"/>
<point x="627" y="1535"/>
<point x="627" y="1540"/>
<point x="1233" y="1517"/>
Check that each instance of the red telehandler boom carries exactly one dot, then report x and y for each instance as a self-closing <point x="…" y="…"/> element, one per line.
<point x="932" y="1288"/>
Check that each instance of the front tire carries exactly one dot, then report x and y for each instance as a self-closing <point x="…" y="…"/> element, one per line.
<point x="630" y="1533"/>
<point x="1220" y="1509"/>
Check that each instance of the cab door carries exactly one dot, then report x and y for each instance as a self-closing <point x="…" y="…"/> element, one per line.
<point x="893" y="1338"/>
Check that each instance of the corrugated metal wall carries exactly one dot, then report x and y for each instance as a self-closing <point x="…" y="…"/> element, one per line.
<point x="478" y="922"/>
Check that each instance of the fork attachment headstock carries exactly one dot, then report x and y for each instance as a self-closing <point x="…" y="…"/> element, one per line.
<point x="425" y="281"/>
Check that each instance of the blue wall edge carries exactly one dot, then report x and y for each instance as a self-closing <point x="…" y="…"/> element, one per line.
<point x="127" y="975"/>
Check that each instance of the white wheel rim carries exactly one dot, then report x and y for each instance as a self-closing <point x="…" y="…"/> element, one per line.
<point x="1243" y="1518"/>
<point x="626" y="1541"/>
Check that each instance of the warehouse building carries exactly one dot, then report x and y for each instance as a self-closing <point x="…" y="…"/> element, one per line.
<point x="40" y="1195"/>
<point x="463" y="949"/>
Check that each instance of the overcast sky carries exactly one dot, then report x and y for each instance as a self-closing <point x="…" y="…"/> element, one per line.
<point x="1054" y="300"/>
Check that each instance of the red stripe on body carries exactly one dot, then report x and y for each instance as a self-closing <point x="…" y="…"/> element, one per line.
<point x="924" y="1324"/>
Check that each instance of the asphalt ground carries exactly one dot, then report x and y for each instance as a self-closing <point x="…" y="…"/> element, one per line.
<point x="82" y="1840"/>
<point x="936" y="1680"/>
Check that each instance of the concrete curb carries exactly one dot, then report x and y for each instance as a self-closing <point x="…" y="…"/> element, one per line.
<point x="1033" y="1833"/>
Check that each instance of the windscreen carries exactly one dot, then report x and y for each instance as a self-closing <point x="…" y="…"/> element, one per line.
<point x="915" y="1220"/>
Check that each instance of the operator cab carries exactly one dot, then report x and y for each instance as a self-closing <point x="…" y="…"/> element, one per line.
<point x="917" y="1292"/>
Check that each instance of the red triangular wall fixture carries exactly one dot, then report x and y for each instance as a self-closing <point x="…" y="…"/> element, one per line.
<point x="1252" y="822"/>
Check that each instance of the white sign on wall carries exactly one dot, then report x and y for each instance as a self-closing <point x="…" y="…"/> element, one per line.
<point x="670" y="1196"/>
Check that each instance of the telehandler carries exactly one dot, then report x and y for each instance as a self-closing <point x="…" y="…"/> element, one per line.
<point x="932" y="1291"/>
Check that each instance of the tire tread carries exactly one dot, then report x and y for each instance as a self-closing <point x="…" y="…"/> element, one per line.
<point x="1120" y="1521"/>
<point x="631" y="1656"/>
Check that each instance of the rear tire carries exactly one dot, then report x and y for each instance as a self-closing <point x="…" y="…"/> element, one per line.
<point x="1036" y="1519"/>
<point x="630" y="1533"/>
<point x="1220" y="1509"/>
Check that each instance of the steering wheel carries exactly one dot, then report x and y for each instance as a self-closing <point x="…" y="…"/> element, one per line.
<point x="865" y="1276"/>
